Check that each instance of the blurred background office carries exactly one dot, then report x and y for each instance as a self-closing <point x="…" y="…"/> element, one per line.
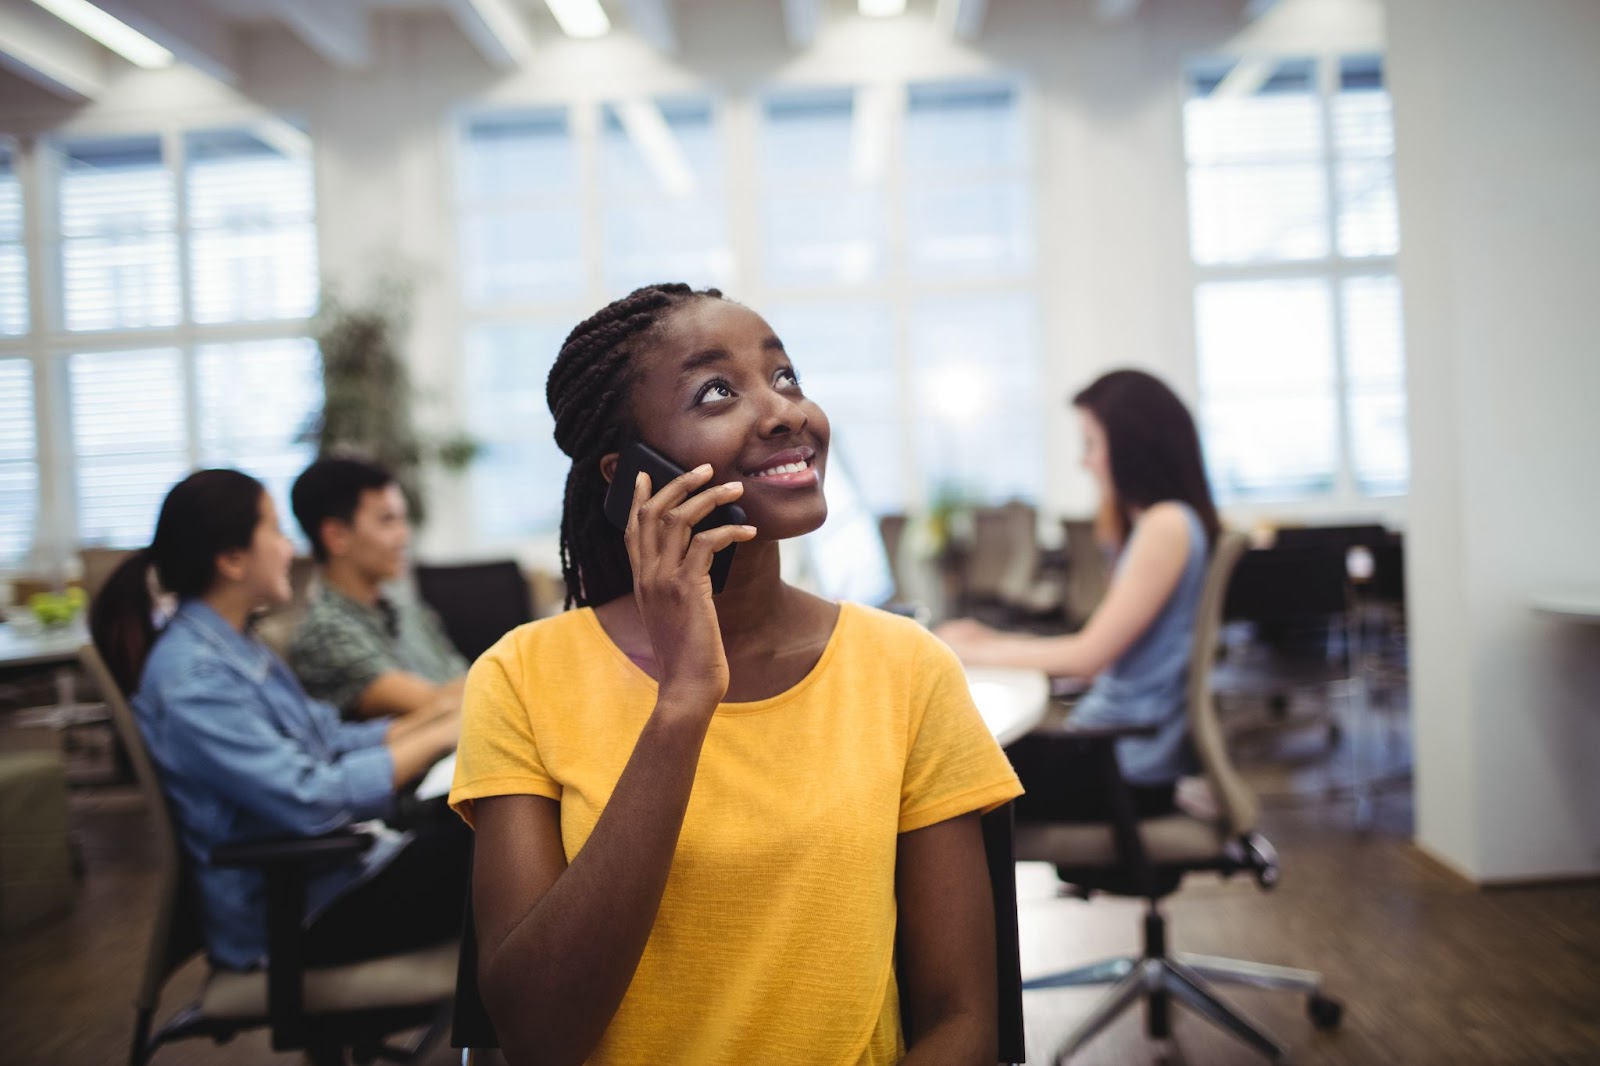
<point x="1356" y="237"/>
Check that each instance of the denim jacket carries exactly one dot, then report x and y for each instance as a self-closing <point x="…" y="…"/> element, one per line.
<point x="242" y="752"/>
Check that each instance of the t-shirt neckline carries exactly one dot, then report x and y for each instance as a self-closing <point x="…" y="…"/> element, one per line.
<point x="744" y="707"/>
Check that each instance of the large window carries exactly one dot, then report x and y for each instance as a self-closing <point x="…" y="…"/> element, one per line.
<point x="914" y="327"/>
<point x="181" y="270"/>
<point x="890" y="244"/>
<point x="1293" y="230"/>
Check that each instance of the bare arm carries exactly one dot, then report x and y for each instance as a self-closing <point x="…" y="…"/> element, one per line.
<point x="559" y="944"/>
<point x="1157" y="554"/>
<point x="947" y="943"/>
<point x="414" y="748"/>
<point x="400" y="693"/>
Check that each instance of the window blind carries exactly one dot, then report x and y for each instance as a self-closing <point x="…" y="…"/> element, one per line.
<point x="130" y="441"/>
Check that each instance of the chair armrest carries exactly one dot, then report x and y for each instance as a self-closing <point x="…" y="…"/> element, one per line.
<point x="292" y="850"/>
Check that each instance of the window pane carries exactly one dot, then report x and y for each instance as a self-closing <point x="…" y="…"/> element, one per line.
<point x="259" y="401"/>
<point x="823" y="202"/>
<point x="1267" y="384"/>
<point x="807" y="134"/>
<point x="1257" y="184"/>
<point x="521" y="232"/>
<point x="977" y="227"/>
<point x="119" y="252"/>
<point x="1369" y="222"/>
<point x="13" y="262"/>
<point x="519" y="480"/>
<point x="975" y="370"/>
<point x="1375" y="370"/>
<point x="665" y="217"/>
<point x="129" y="441"/>
<point x="252" y="240"/>
<point x="961" y="125"/>
<point x="19" y="471"/>
<point x="649" y="243"/>
<point x="830" y="235"/>
<point x="845" y="355"/>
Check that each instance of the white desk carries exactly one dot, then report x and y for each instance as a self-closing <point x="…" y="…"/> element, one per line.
<point x="1579" y="606"/>
<point x="1012" y="703"/>
<point x="41" y="647"/>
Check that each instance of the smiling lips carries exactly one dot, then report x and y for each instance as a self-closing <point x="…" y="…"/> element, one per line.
<point x="793" y="468"/>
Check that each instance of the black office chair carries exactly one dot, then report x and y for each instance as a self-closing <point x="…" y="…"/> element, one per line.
<point x="324" y="1011"/>
<point x="477" y="602"/>
<point x="473" y="1030"/>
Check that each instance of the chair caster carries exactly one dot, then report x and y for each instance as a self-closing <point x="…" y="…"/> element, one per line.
<point x="1324" y="1013"/>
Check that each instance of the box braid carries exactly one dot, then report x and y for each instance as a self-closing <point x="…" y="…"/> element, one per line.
<point x="588" y="392"/>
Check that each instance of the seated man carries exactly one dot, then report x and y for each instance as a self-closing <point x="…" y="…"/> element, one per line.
<point x="363" y="651"/>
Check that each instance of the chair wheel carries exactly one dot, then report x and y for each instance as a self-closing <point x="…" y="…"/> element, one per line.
<point x="1324" y="1013"/>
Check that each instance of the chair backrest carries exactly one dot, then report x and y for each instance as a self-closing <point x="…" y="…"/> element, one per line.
<point x="1088" y="570"/>
<point x="176" y="936"/>
<point x="1002" y="539"/>
<point x="478" y="602"/>
<point x="472" y="1028"/>
<point x="1236" y="803"/>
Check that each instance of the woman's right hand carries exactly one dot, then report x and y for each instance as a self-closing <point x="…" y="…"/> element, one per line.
<point x="672" y="581"/>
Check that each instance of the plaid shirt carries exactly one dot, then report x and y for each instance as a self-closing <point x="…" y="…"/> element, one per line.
<point x="343" y="646"/>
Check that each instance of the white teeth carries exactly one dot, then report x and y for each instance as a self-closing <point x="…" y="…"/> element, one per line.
<point x="786" y="468"/>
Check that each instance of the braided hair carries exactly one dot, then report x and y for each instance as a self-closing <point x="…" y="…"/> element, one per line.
<point x="588" y="392"/>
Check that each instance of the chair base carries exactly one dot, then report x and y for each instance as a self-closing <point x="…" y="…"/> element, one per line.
<point x="1157" y="979"/>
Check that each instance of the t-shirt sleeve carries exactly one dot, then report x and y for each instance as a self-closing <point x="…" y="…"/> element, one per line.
<point x="497" y="755"/>
<point x="953" y="765"/>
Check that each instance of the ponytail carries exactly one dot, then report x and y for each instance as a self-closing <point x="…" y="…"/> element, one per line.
<point x="207" y="513"/>
<point x="122" y="622"/>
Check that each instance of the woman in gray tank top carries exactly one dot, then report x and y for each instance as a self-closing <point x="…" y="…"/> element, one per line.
<point x="1157" y="517"/>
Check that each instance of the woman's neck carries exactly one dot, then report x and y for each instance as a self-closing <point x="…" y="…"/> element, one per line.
<point x="233" y="603"/>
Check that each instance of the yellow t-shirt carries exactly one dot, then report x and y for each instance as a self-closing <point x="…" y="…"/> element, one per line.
<point x="774" y="943"/>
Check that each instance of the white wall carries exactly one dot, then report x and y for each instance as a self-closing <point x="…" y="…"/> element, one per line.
<point x="1114" y="273"/>
<point x="1499" y="166"/>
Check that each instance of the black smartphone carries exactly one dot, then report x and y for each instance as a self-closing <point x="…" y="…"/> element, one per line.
<point x="637" y="456"/>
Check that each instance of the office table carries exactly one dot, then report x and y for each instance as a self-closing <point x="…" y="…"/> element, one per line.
<point x="1012" y="702"/>
<point x="40" y="647"/>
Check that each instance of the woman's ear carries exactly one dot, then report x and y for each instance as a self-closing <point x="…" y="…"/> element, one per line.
<point x="230" y="565"/>
<point x="608" y="465"/>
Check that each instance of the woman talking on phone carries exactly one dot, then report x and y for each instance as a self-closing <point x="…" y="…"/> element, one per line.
<point x="707" y="823"/>
<point x="1141" y="448"/>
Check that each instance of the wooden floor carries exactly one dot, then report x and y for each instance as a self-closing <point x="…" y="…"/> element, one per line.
<point x="1431" y="970"/>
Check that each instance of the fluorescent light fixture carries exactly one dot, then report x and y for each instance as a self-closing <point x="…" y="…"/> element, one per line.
<point x="882" y="9"/>
<point x="121" y="38"/>
<point x="580" y="18"/>
<point x="648" y="130"/>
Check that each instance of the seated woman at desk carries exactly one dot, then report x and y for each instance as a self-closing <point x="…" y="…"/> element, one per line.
<point x="1157" y="515"/>
<point x="243" y="753"/>
<point x="706" y="823"/>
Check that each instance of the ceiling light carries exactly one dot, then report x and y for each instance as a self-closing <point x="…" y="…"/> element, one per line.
<point x="121" y="38"/>
<point x="580" y="18"/>
<point x="882" y="9"/>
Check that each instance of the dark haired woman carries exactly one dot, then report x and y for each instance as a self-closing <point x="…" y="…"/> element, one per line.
<point x="242" y="752"/>
<point x="1142" y="450"/>
<point x="706" y="826"/>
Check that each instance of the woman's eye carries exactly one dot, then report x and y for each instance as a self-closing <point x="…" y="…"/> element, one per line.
<point x="788" y="374"/>
<point x="713" y="390"/>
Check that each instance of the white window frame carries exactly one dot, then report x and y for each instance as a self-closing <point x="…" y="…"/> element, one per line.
<point x="48" y="345"/>
<point x="1334" y="269"/>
